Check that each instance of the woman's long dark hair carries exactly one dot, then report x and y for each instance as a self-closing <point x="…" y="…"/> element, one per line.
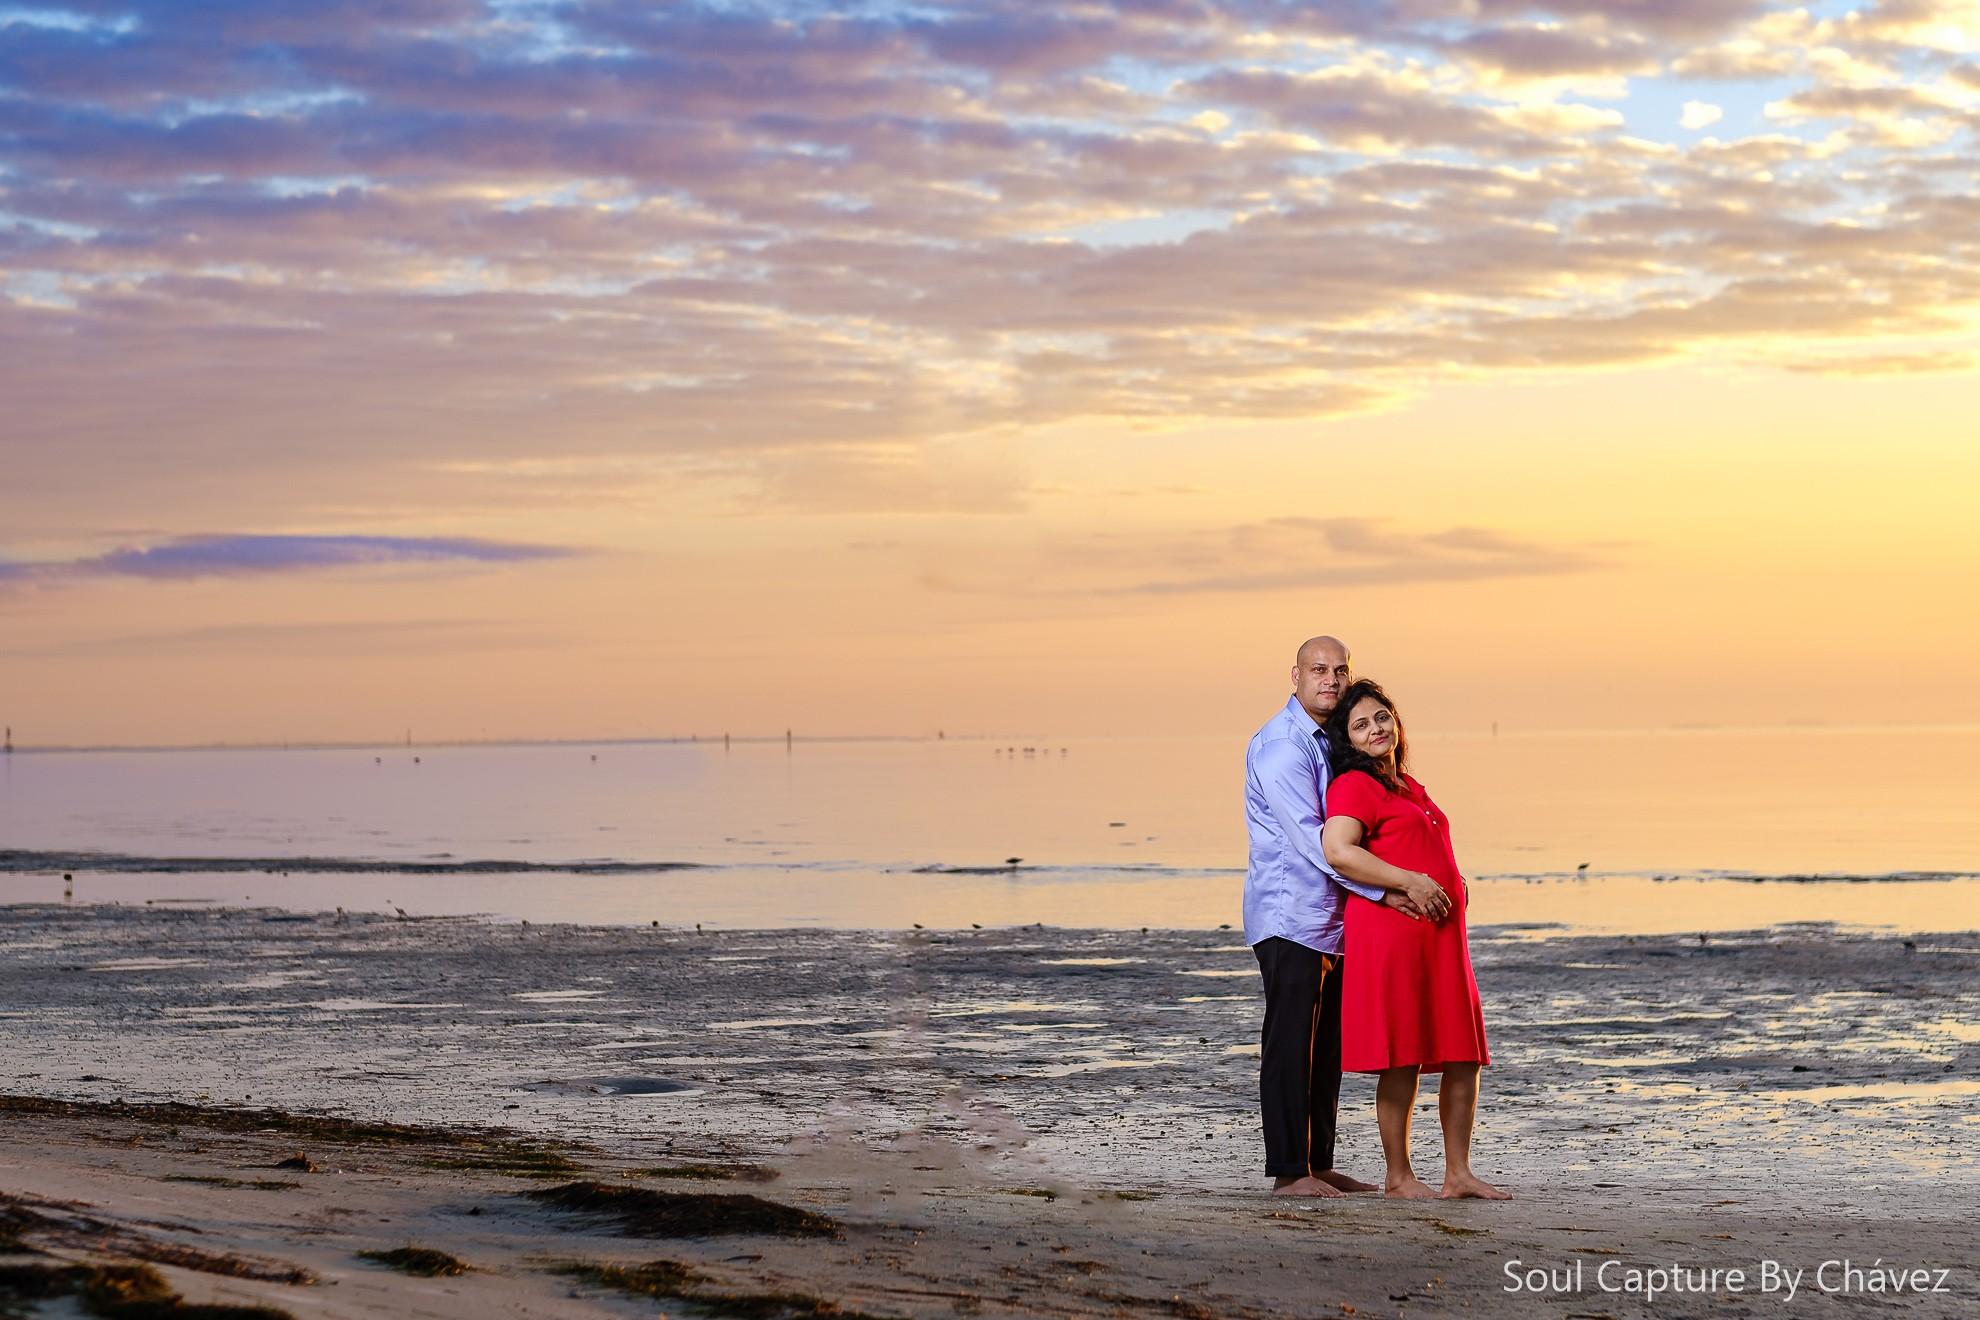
<point x="1344" y="756"/>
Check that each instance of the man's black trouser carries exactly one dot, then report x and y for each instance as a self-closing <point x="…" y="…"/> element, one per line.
<point x="1299" y="1056"/>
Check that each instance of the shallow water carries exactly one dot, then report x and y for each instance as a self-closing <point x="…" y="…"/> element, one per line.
<point x="747" y="898"/>
<point x="1119" y="833"/>
<point x="1652" y="802"/>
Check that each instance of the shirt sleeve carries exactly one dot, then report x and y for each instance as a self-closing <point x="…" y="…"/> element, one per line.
<point x="1355" y="794"/>
<point x="1293" y="793"/>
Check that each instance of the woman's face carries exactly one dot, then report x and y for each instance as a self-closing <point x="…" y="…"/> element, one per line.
<point x="1372" y="728"/>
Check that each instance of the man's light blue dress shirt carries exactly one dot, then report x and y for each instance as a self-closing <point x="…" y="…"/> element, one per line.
<point x="1289" y="890"/>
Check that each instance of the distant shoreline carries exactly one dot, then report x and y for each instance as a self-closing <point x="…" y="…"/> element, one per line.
<point x="1021" y="741"/>
<point x="71" y="749"/>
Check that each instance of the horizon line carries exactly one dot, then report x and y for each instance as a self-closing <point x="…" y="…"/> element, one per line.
<point x="792" y="738"/>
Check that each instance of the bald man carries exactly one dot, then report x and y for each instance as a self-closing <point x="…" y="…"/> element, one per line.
<point x="1292" y="920"/>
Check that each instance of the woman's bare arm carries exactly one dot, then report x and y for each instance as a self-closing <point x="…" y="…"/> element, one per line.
<point x="1340" y="840"/>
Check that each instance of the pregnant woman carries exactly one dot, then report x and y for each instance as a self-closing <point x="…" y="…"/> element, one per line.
<point x="1410" y="1003"/>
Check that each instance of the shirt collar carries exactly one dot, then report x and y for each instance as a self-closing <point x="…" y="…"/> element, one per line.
<point x="1300" y="715"/>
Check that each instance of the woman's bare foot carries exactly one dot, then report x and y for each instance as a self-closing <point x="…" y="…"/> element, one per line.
<point x="1470" y="1184"/>
<point x="1409" y="1188"/>
<point x="1306" y="1186"/>
<point x="1335" y="1178"/>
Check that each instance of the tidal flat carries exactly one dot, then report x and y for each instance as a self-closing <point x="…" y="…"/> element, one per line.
<point x="1022" y="1121"/>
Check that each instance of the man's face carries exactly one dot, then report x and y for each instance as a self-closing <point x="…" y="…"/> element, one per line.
<point x="1320" y="677"/>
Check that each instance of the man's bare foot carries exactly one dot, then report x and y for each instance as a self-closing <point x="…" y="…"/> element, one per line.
<point x="1335" y="1178"/>
<point x="1470" y="1184"/>
<point x="1411" y="1188"/>
<point x="1307" y="1186"/>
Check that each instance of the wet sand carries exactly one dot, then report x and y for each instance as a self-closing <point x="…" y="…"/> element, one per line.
<point x="1007" y="1122"/>
<point x="200" y="1194"/>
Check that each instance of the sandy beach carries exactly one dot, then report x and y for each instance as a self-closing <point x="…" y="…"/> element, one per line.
<point x="996" y="1122"/>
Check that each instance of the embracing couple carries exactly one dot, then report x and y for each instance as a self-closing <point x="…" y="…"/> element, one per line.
<point x="1355" y="908"/>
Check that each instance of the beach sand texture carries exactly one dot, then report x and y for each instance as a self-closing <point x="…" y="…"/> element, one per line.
<point x="1008" y="1122"/>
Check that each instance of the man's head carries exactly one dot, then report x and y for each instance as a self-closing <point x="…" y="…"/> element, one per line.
<point x="1320" y="674"/>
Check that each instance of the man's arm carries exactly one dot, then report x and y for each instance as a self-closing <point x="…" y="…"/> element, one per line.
<point x="1342" y="837"/>
<point x="1293" y="792"/>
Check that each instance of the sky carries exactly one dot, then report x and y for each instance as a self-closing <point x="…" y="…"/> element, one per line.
<point x="495" y="368"/>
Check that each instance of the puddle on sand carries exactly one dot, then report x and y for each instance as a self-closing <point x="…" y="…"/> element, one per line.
<point x="197" y="1011"/>
<point x="146" y="964"/>
<point x="632" y="1086"/>
<point x="1957" y="1028"/>
<point x="1088" y="962"/>
<point x="1629" y="1019"/>
<point x="1009" y="1006"/>
<point x="367" y="1005"/>
<point x="1887" y="1092"/>
<point x="1094" y="1065"/>
<point x="274" y="980"/>
<point x="554" y="996"/>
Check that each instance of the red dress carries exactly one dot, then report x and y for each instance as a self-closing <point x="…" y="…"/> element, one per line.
<point x="1407" y="993"/>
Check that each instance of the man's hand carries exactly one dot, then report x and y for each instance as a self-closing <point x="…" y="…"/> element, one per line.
<point x="1398" y="900"/>
<point x="1427" y="896"/>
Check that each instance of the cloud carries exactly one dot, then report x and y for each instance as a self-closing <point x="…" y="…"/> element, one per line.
<point x="1280" y="554"/>
<point x="249" y="555"/>
<point x="825" y="253"/>
<point x="1365" y="110"/>
<point x="1546" y="52"/>
<point x="1882" y="364"/>
<point x="946" y="481"/>
<point x="355" y="637"/>
<point x="1701" y="114"/>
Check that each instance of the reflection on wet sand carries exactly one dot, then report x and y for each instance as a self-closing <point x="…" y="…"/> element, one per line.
<point x="1625" y="1059"/>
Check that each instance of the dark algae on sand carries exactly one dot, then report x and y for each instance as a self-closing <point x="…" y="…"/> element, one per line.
<point x="116" y="1292"/>
<point x="644" y="1212"/>
<point x="666" y="1280"/>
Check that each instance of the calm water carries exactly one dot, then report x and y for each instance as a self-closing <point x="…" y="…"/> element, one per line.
<point x="1115" y="832"/>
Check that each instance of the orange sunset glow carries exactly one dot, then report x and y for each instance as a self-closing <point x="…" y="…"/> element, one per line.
<point x="615" y="370"/>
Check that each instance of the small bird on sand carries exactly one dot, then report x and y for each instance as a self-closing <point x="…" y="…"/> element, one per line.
<point x="401" y="911"/>
<point x="1582" y="867"/>
<point x="916" y="925"/>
